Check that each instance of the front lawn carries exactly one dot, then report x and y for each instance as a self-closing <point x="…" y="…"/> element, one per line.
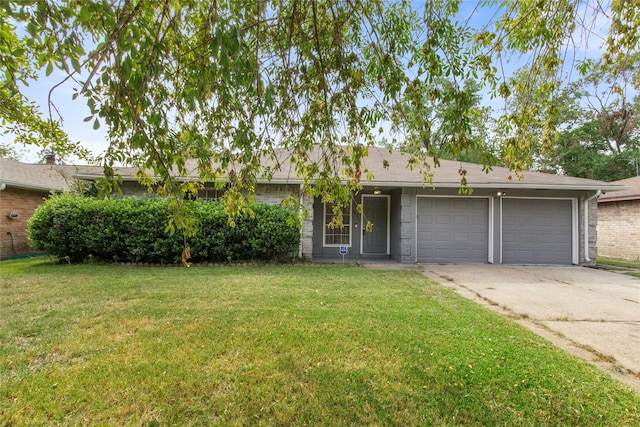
<point x="288" y="345"/>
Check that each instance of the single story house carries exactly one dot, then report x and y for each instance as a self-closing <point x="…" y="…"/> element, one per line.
<point x="540" y="219"/>
<point x="23" y="187"/>
<point x="619" y="222"/>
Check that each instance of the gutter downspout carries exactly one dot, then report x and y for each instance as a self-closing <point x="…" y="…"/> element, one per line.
<point x="586" y="225"/>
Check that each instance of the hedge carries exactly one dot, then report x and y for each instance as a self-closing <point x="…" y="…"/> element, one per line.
<point x="133" y="230"/>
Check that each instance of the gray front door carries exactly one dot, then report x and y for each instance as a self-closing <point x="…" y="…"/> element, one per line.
<point x="376" y="210"/>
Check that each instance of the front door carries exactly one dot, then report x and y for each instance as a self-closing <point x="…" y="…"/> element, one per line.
<point x="375" y="209"/>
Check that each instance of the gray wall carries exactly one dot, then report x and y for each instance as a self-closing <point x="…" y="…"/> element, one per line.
<point x="395" y="224"/>
<point x="408" y="217"/>
<point x="408" y="226"/>
<point x="319" y="250"/>
<point x="403" y="218"/>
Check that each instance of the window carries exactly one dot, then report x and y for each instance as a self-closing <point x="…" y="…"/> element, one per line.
<point x="211" y="193"/>
<point x="337" y="236"/>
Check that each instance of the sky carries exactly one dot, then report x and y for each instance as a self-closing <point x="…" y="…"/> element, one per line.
<point x="73" y="112"/>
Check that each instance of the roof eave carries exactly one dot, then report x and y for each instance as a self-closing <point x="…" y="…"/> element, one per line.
<point x="497" y="185"/>
<point x="492" y="185"/>
<point x="620" y="199"/>
<point x="31" y="187"/>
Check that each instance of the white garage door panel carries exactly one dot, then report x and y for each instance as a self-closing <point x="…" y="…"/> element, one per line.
<point x="536" y="231"/>
<point x="452" y="230"/>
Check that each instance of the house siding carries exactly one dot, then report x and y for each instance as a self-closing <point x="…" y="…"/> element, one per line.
<point x="274" y="194"/>
<point x="395" y="235"/>
<point x="359" y="220"/>
<point x="593" y="230"/>
<point x="408" y="236"/>
<point x="306" y="231"/>
<point x="619" y="229"/>
<point x="408" y="226"/>
<point x="322" y="251"/>
<point x="24" y="202"/>
<point x="134" y="189"/>
<point x="403" y="232"/>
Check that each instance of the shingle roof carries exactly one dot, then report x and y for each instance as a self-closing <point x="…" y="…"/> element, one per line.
<point x="631" y="193"/>
<point x="390" y="169"/>
<point x="448" y="175"/>
<point x="34" y="176"/>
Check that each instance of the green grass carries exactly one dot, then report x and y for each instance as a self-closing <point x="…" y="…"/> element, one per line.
<point x="614" y="263"/>
<point x="618" y="262"/>
<point x="289" y="345"/>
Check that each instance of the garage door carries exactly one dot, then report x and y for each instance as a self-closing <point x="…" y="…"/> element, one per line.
<point x="452" y="230"/>
<point x="536" y="231"/>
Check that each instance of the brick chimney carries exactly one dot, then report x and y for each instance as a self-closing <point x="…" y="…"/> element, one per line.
<point x="50" y="159"/>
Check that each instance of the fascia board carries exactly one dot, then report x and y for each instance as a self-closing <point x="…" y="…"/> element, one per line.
<point x="493" y="185"/>
<point x="34" y="187"/>
<point x="580" y="187"/>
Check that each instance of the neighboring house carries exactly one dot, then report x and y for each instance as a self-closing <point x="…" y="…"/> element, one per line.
<point x="619" y="222"/>
<point x="23" y="187"/>
<point x="541" y="219"/>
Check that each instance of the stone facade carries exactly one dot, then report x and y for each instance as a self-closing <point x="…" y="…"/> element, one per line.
<point x="619" y="229"/>
<point x="408" y="226"/>
<point x="592" y="206"/>
<point x="13" y="228"/>
<point x="275" y="193"/>
<point x="306" y="232"/>
<point x="593" y="233"/>
<point x="272" y="194"/>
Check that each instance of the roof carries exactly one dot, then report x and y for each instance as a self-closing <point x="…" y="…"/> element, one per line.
<point x="390" y="170"/>
<point x="41" y="177"/>
<point x="631" y="193"/>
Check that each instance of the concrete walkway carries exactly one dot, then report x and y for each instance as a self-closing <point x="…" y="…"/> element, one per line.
<point x="593" y="314"/>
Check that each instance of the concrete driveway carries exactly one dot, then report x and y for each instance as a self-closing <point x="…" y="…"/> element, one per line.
<point x="594" y="314"/>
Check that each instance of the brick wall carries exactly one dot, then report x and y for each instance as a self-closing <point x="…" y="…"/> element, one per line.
<point x="24" y="202"/>
<point x="619" y="230"/>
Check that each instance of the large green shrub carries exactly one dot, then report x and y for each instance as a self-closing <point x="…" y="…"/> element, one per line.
<point x="133" y="230"/>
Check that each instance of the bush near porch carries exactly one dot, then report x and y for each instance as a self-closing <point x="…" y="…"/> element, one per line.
<point x="133" y="230"/>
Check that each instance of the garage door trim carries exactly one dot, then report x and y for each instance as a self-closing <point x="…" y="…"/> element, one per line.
<point x="490" y="224"/>
<point x="575" y="237"/>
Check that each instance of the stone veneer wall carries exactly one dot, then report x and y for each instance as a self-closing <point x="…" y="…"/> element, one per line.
<point x="265" y="193"/>
<point x="407" y="226"/>
<point x="275" y="194"/>
<point x="619" y="229"/>
<point x="24" y="202"/>
<point x="594" y="239"/>
<point x="306" y="237"/>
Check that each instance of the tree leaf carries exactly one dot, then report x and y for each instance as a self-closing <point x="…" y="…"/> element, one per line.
<point x="75" y="64"/>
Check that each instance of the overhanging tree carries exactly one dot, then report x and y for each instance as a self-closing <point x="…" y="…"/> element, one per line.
<point x="597" y="121"/>
<point x="230" y="82"/>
